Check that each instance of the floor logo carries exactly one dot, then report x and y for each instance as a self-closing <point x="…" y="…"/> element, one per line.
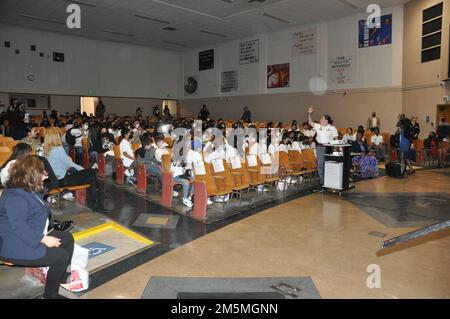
<point x="97" y="249"/>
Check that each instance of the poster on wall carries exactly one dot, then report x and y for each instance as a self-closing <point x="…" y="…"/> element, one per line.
<point x="229" y="81"/>
<point x="304" y="42"/>
<point x="206" y="60"/>
<point x="191" y="85"/>
<point x="370" y="37"/>
<point x="249" y="52"/>
<point x="278" y="76"/>
<point x="341" y="69"/>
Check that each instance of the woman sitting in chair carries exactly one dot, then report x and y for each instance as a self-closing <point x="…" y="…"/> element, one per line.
<point x="24" y="218"/>
<point x="364" y="159"/>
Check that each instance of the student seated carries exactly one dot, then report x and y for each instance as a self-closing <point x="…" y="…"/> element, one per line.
<point x="108" y="142"/>
<point x="431" y="146"/>
<point x="32" y="139"/>
<point x="348" y="136"/>
<point x="365" y="160"/>
<point x="146" y="155"/>
<point x="23" y="226"/>
<point x="127" y="155"/>
<point x="177" y="169"/>
<point x="378" y="144"/>
<point x="67" y="172"/>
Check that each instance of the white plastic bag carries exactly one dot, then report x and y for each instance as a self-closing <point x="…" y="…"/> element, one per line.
<point x="79" y="276"/>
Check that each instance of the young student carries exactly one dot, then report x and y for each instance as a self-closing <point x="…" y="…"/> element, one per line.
<point x="378" y="144"/>
<point x="146" y="155"/>
<point x="177" y="169"/>
<point x="348" y="136"/>
<point x="127" y="155"/>
<point x="24" y="219"/>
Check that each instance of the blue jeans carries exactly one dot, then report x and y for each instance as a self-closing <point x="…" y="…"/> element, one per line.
<point x="320" y="153"/>
<point x="185" y="183"/>
<point x="155" y="170"/>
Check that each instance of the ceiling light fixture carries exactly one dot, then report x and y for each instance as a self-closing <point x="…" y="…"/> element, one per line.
<point x="118" y="32"/>
<point x="176" y="43"/>
<point x="151" y="19"/>
<point x="214" y="33"/>
<point x="28" y="16"/>
<point x="268" y="15"/>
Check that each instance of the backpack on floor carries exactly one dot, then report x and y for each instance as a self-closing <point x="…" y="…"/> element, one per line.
<point x="395" y="170"/>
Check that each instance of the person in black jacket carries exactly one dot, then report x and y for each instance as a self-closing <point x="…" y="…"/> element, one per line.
<point x="23" y="226"/>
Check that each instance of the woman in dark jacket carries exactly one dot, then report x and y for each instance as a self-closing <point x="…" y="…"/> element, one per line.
<point x="23" y="226"/>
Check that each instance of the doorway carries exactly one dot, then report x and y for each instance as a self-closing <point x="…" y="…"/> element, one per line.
<point x="87" y="104"/>
<point x="443" y="111"/>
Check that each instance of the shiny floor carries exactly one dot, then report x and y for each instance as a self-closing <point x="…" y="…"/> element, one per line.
<point x="319" y="236"/>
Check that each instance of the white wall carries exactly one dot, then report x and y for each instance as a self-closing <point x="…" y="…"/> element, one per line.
<point x="374" y="67"/>
<point x="107" y="68"/>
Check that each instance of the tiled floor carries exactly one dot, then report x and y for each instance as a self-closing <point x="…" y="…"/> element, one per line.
<point x="318" y="236"/>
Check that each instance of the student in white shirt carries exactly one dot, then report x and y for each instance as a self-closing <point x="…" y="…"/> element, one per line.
<point x="177" y="170"/>
<point x="348" y="137"/>
<point x="326" y="132"/>
<point x="127" y="156"/>
<point x="378" y="144"/>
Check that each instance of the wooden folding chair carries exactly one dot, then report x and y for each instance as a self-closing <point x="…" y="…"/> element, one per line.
<point x="85" y="148"/>
<point x="120" y="171"/>
<point x="9" y="144"/>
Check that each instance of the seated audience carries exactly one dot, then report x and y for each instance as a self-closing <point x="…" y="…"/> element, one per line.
<point x="67" y="172"/>
<point x="363" y="158"/>
<point x="24" y="219"/>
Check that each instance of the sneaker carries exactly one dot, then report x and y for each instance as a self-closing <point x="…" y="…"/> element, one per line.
<point x="69" y="197"/>
<point x="51" y="200"/>
<point x="128" y="172"/>
<point x="95" y="166"/>
<point x="132" y="181"/>
<point x="174" y="194"/>
<point x="187" y="202"/>
<point x="210" y="202"/>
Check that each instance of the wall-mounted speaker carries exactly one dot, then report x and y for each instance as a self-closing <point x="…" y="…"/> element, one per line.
<point x="58" y="57"/>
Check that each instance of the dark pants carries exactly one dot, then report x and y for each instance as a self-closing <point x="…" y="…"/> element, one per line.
<point x="85" y="176"/>
<point x="57" y="259"/>
<point x="79" y="155"/>
<point x="52" y="181"/>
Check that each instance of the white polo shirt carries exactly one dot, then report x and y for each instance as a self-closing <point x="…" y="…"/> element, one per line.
<point x="377" y="139"/>
<point x="325" y="134"/>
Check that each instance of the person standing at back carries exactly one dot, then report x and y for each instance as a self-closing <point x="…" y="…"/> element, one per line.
<point x="204" y="113"/>
<point x="373" y="122"/>
<point x="326" y="132"/>
<point x="247" y="116"/>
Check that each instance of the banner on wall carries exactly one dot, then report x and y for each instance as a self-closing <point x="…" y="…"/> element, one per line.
<point x="370" y="37"/>
<point x="304" y="42"/>
<point x="191" y="85"/>
<point x="249" y="52"/>
<point x="206" y="60"/>
<point x="229" y="81"/>
<point x="278" y="76"/>
<point x="341" y="69"/>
